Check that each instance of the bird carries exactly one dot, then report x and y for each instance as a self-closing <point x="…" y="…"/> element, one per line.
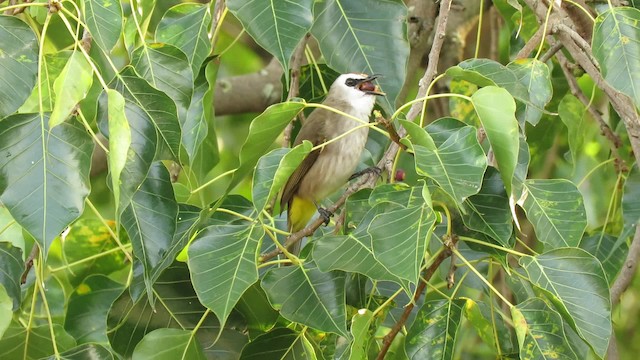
<point x="329" y="167"/>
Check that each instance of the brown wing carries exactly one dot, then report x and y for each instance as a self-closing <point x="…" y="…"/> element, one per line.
<point x="313" y="131"/>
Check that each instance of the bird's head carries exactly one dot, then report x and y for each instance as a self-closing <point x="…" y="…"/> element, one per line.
<point x="356" y="88"/>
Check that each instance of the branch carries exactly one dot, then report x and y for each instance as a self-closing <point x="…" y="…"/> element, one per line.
<point x="428" y="273"/>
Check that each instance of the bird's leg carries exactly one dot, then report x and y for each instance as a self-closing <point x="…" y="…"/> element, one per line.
<point x="370" y="170"/>
<point x="326" y="214"/>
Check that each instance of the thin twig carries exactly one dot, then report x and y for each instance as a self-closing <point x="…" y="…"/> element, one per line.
<point x="393" y="134"/>
<point x="552" y="51"/>
<point x="28" y="264"/>
<point x="294" y="88"/>
<point x="532" y="44"/>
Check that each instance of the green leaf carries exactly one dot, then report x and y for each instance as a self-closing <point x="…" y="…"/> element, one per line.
<point x="6" y="309"/>
<point x="433" y="333"/>
<point x="488" y="211"/>
<point x="88" y="307"/>
<point x="222" y="262"/>
<point x="104" y="19"/>
<point x="120" y="141"/>
<point x="166" y="68"/>
<point x="281" y="343"/>
<point x="186" y="26"/>
<point x="556" y="211"/>
<point x="87" y="237"/>
<point x="35" y="342"/>
<point x="10" y="231"/>
<point x="44" y="174"/>
<point x="52" y="66"/>
<point x="609" y="250"/>
<point x="273" y="171"/>
<point x="575" y="283"/>
<point x="536" y="78"/>
<point x="572" y="113"/>
<point x="372" y="41"/>
<point x="501" y="127"/>
<point x="18" y="63"/>
<point x="353" y="252"/>
<point x="277" y="26"/>
<point x="151" y="106"/>
<point x="11" y="268"/>
<point x="70" y="87"/>
<point x="180" y="310"/>
<point x="308" y="296"/>
<point x="168" y="344"/>
<point x="87" y="352"/>
<point x="541" y="332"/>
<point x="630" y="196"/>
<point x="195" y="128"/>
<point x="457" y="164"/>
<point x="399" y="238"/>
<point x="489" y="324"/>
<point x="256" y="309"/>
<point x="616" y="43"/>
<point x="264" y="129"/>
<point x="362" y="334"/>
<point x="150" y="220"/>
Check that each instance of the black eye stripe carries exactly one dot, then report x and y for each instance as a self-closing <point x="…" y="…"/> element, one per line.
<point x="351" y="82"/>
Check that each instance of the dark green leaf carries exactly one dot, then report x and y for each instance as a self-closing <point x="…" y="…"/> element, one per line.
<point x="150" y="220"/>
<point x="11" y="268"/>
<point x="616" y="43"/>
<point x="166" y="68"/>
<point x="365" y="36"/>
<point x="44" y="174"/>
<point x="556" y="211"/>
<point x="630" y="196"/>
<point x="281" y="343"/>
<point x="33" y="343"/>
<point x="168" y="344"/>
<point x="488" y="211"/>
<point x="308" y="296"/>
<point x="18" y="63"/>
<point x="433" y="333"/>
<point x="195" y="128"/>
<point x="104" y="19"/>
<point x="87" y="352"/>
<point x="575" y="283"/>
<point x="609" y="250"/>
<point x="88" y="307"/>
<point x="222" y="261"/>
<point x="277" y="26"/>
<point x="256" y="310"/>
<point x="177" y="307"/>
<point x="185" y="26"/>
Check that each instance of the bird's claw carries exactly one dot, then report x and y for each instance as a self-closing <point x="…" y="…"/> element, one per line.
<point x="326" y="215"/>
<point x="370" y="170"/>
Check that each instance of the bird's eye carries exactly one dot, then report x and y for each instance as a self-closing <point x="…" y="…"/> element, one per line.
<point x="351" y="82"/>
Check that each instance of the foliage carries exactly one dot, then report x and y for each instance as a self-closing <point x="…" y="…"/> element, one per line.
<point x="165" y="256"/>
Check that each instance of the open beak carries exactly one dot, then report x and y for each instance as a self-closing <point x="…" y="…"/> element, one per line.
<point x="368" y="87"/>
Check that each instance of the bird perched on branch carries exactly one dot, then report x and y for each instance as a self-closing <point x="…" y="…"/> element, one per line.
<point x="326" y="169"/>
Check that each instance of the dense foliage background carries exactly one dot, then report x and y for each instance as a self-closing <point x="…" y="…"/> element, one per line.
<point x="143" y="145"/>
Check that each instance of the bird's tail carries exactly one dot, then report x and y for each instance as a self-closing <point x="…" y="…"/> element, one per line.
<point x="300" y="211"/>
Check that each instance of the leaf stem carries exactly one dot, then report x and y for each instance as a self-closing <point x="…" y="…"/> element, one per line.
<point x="213" y="180"/>
<point x="115" y="237"/>
<point x="484" y="243"/>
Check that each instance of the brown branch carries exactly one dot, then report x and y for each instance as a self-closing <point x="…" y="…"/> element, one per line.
<point x="628" y="270"/>
<point x="28" y="264"/>
<point x="294" y="88"/>
<point x="428" y="273"/>
<point x="393" y="134"/>
<point x="532" y="44"/>
<point x="552" y="51"/>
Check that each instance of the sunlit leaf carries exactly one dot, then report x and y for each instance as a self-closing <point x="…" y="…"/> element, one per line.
<point x="362" y="334"/>
<point x="51" y="68"/>
<point x="120" y="142"/>
<point x="70" y="87"/>
<point x="196" y="129"/>
<point x="18" y="63"/>
<point x="44" y="174"/>
<point x="501" y="127"/>
<point x="364" y="36"/>
<point x="6" y="308"/>
<point x="33" y="343"/>
<point x="10" y="231"/>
